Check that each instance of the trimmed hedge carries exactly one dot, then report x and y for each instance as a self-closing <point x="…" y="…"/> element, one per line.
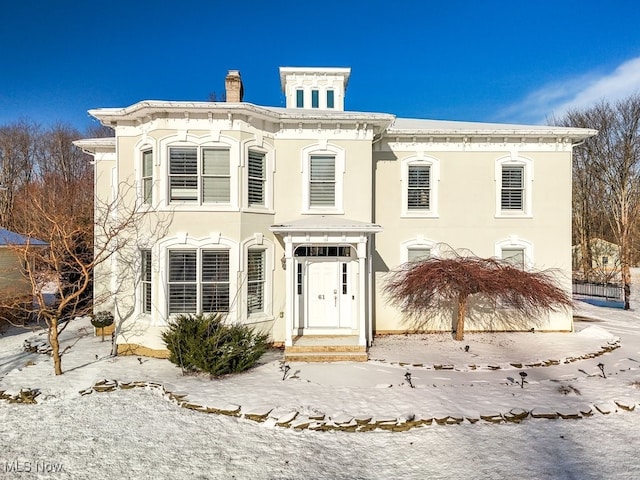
<point x="204" y="343"/>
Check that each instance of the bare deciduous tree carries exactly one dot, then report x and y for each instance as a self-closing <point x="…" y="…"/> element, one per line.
<point x="19" y="151"/>
<point x="426" y="287"/>
<point x="72" y="255"/>
<point x="611" y="161"/>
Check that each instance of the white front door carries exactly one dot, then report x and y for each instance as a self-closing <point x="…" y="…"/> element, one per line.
<point x="329" y="293"/>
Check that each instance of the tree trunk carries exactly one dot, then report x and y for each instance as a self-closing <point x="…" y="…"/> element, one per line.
<point x="55" y="347"/>
<point x="626" y="281"/>
<point x="462" y="310"/>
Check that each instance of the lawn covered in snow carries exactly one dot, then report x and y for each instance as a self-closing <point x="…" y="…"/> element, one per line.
<point x="143" y="432"/>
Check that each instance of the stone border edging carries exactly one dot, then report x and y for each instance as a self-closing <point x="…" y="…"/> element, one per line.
<point x="610" y="347"/>
<point x="363" y="423"/>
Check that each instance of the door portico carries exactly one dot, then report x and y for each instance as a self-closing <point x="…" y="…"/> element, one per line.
<point x="327" y="277"/>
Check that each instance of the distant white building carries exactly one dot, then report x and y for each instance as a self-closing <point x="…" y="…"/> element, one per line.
<point x="605" y="259"/>
<point x="289" y="218"/>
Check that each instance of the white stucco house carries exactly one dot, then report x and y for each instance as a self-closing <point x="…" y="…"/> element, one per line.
<point x="289" y="218"/>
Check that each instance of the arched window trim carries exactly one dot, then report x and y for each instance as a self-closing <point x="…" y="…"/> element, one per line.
<point x="514" y="242"/>
<point x="417" y="242"/>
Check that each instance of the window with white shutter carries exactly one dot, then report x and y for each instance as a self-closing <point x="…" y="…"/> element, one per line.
<point x="145" y="280"/>
<point x="183" y="281"/>
<point x="216" y="178"/>
<point x="215" y="281"/>
<point x="419" y="187"/>
<point x="198" y="281"/>
<point x="183" y="174"/>
<point x="512" y="192"/>
<point x="322" y="181"/>
<point x="147" y="177"/>
<point x="200" y="175"/>
<point x="420" y="178"/>
<point x="255" y="281"/>
<point x="256" y="178"/>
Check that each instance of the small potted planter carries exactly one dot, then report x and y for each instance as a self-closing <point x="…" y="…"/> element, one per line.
<point x="102" y="323"/>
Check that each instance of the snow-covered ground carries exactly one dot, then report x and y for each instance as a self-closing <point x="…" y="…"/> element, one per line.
<point x="144" y="433"/>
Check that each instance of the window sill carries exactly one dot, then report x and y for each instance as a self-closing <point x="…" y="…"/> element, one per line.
<point x="418" y="214"/>
<point x="259" y="317"/>
<point x="513" y="215"/>
<point x="204" y="207"/>
<point x="263" y="210"/>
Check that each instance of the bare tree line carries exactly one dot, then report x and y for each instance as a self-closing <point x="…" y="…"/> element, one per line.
<point x="606" y="184"/>
<point x="33" y="155"/>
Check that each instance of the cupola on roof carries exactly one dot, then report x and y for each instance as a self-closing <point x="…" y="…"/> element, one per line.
<point x="314" y="88"/>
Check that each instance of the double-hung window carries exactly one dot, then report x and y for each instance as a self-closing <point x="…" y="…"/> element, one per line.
<point x="147" y="177"/>
<point x="419" y="187"/>
<point x="255" y="281"/>
<point x="198" y="281"/>
<point x="416" y="254"/>
<point x="145" y="280"/>
<point x="512" y="191"/>
<point x="256" y="178"/>
<point x="420" y="177"/>
<point x="322" y="181"/>
<point x="514" y="257"/>
<point x="199" y="175"/>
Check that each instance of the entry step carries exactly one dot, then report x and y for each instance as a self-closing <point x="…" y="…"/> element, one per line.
<point x="326" y="356"/>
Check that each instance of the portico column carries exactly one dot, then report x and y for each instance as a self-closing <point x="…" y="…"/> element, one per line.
<point x="289" y="297"/>
<point x="362" y="290"/>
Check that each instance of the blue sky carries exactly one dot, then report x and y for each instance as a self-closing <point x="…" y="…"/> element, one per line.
<point x="516" y="62"/>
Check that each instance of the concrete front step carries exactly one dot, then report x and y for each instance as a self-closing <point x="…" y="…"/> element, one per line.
<point x="325" y="348"/>
<point x="326" y="356"/>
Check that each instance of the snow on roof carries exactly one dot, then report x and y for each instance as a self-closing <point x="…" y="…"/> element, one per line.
<point x="440" y="127"/>
<point x="11" y="238"/>
<point x="324" y="223"/>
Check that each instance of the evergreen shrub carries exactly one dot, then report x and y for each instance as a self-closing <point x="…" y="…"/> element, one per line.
<point x="204" y="343"/>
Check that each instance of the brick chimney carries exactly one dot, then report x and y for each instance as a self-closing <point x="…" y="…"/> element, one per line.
<point x="233" y="86"/>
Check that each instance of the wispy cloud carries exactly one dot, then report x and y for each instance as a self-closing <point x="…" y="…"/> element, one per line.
<point x="554" y="100"/>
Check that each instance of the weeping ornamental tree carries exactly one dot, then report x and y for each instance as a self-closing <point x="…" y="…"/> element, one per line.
<point x="429" y="287"/>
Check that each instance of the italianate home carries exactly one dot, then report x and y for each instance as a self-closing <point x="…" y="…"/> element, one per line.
<point x="289" y="219"/>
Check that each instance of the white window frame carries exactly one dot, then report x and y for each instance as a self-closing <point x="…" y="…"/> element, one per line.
<point x="182" y="241"/>
<point x="207" y="141"/>
<point x="339" y="155"/>
<point x="260" y="180"/>
<point x="146" y="284"/>
<point x="434" y="180"/>
<point x="259" y="242"/>
<point x="269" y="159"/>
<point x="199" y="282"/>
<point x="200" y="175"/>
<point x="143" y="146"/>
<point x="527" y="166"/>
<point x="258" y="281"/>
<point x="513" y="242"/>
<point x="146" y="195"/>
